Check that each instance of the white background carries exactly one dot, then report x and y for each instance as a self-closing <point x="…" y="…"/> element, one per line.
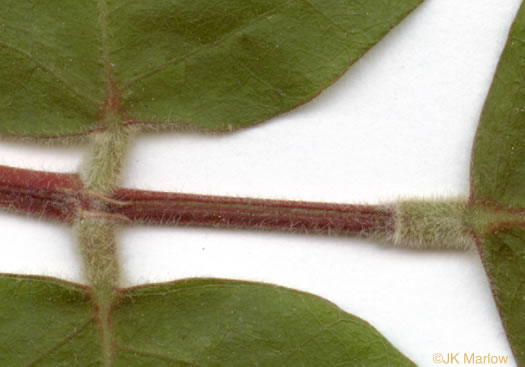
<point x="399" y="123"/>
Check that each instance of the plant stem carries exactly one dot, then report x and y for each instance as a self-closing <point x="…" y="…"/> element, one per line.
<point x="42" y="194"/>
<point x="444" y="223"/>
<point x="248" y="213"/>
<point x="98" y="248"/>
<point x="61" y="196"/>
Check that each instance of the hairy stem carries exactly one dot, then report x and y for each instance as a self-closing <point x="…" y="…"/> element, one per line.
<point x="230" y="212"/>
<point x="95" y="229"/>
<point x="102" y="169"/>
<point x="42" y="194"/>
<point x="440" y="223"/>
<point x="61" y="196"/>
<point x="433" y="224"/>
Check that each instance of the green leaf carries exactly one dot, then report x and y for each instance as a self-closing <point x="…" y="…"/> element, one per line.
<point x="200" y="322"/>
<point x="498" y="161"/>
<point x="503" y="253"/>
<point x="45" y="322"/>
<point x="498" y="190"/>
<point x="217" y="65"/>
<point x="51" y="78"/>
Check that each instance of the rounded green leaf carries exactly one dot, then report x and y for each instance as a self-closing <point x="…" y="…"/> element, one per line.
<point x="498" y="189"/>
<point x="498" y="160"/>
<point x="503" y="253"/>
<point x="198" y="322"/>
<point x="227" y="64"/>
<point x="51" y="76"/>
<point x="219" y="65"/>
<point x="45" y="323"/>
<point x="231" y="323"/>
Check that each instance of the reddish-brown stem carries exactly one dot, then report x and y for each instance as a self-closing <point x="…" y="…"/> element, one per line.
<point x="62" y="196"/>
<point x="232" y="212"/>
<point x="52" y="195"/>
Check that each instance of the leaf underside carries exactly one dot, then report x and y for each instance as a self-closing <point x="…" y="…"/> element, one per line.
<point x="504" y="258"/>
<point x="498" y="177"/>
<point x="217" y="65"/>
<point x="498" y="161"/>
<point x="196" y="322"/>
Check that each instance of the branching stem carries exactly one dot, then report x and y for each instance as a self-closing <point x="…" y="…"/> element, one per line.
<point x="62" y="196"/>
<point x="440" y="223"/>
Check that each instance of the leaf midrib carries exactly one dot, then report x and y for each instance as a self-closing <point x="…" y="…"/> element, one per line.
<point x="113" y="90"/>
<point x="103" y="26"/>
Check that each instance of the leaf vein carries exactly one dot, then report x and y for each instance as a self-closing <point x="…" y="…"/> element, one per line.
<point x="60" y="343"/>
<point x="218" y="43"/>
<point x="48" y="70"/>
<point x="158" y="356"/>
<point x="281" y="91"/>
<point x="314" y="8"/>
